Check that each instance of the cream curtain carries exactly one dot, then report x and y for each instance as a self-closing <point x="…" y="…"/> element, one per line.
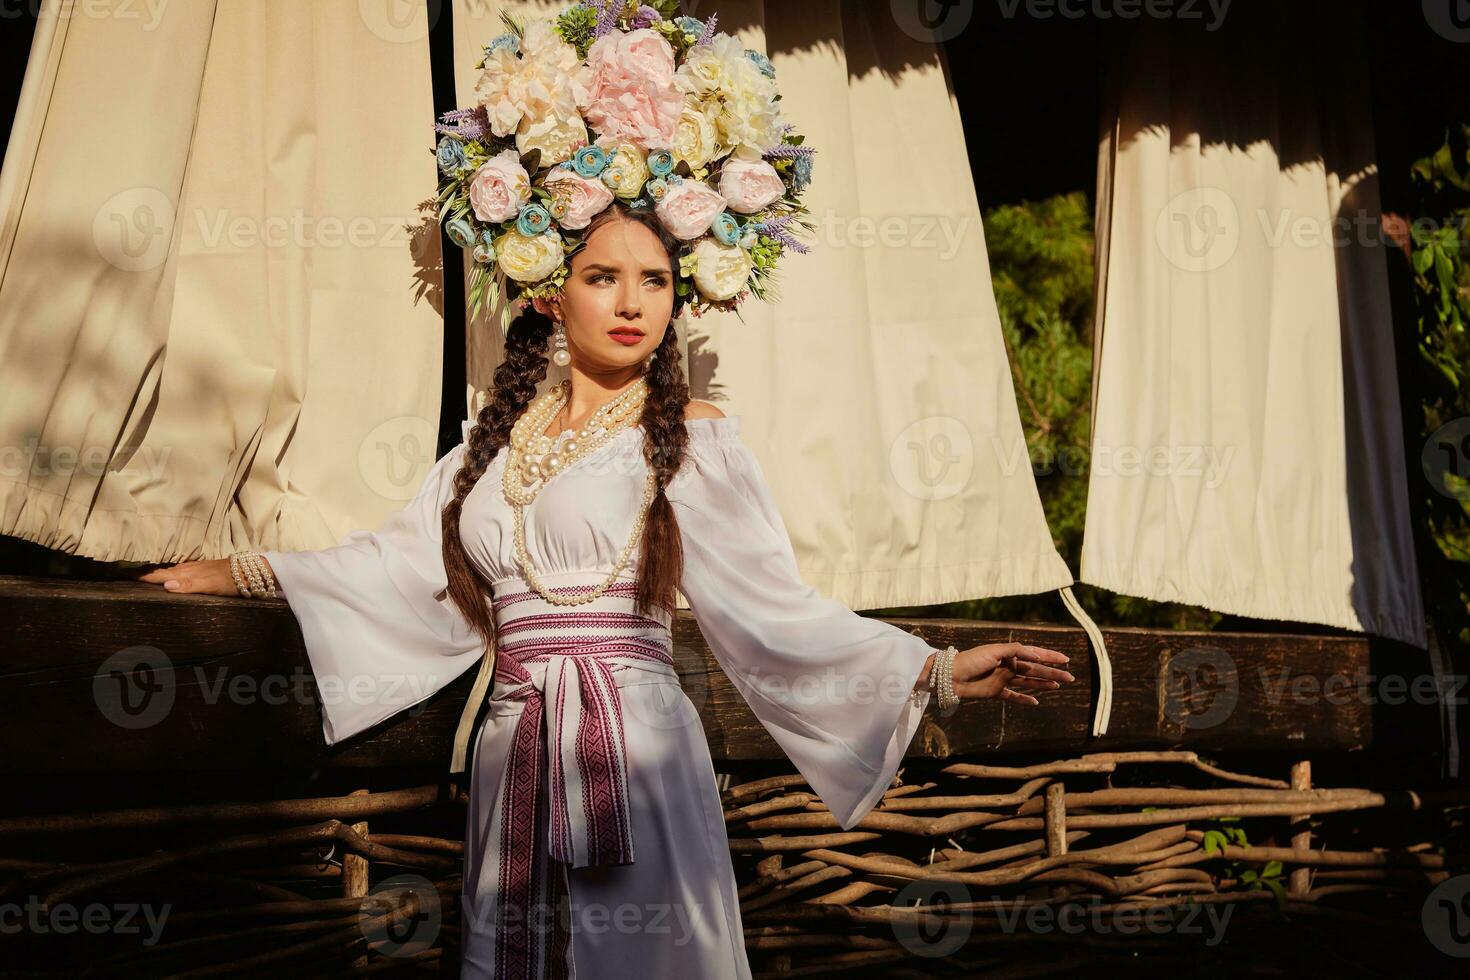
<point x="216" y="327"/>
<point x="876" y="394"/>
<point x="1247" y="450"/>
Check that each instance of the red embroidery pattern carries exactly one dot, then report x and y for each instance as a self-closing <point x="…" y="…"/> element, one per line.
<point x="577" y="739"/>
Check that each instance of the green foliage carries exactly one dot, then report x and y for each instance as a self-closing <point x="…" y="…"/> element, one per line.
<point x="575" y="25"/>
<point x="1441" y="264"/>
<point x="1267" y="877"/>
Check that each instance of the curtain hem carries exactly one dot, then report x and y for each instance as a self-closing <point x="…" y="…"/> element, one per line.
<point x="1288" y="605"/>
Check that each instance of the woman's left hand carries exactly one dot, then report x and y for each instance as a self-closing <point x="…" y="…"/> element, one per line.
<point x="1007" y="671"/>
<point x="209" y="577"/>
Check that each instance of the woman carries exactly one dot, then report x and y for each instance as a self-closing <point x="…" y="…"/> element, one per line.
<point x="591" y="773"/>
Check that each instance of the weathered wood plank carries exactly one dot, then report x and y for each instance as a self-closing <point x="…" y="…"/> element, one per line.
<point x="231" y="687"/>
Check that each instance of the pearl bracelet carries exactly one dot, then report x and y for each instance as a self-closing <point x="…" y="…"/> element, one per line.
<point x="941" y="680"/>
<point x="253" y="578"/>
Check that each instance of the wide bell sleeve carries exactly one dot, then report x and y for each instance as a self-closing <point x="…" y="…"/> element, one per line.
<point x="830" y="686"/>
<point x="381" y="632"/>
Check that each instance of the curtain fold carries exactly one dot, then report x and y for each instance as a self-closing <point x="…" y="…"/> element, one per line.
<point x="218" y="278"/>
<point x="1247" y="450"/>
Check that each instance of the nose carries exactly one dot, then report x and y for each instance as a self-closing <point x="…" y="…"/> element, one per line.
<point x="630" y="301"/>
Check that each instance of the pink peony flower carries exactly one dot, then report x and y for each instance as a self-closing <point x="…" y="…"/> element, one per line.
<point x="500" y="188"/>
<point x="688" y="208"/>
<point x="632" y="95"/>
<point x="582" y="198"/>
<point x="750" y="185"/>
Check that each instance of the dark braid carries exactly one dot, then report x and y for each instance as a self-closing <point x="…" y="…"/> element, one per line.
<point x="665" y="439"/>
<point x="516" y="379"/>
<point x="661" y="559"/>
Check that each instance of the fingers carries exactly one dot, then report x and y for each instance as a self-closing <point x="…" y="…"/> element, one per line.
<point x="1033" y="684"/>
<point x="1027" y="668"/>
<point x="1026" y="652"/>
<point x="1016" y="697"/>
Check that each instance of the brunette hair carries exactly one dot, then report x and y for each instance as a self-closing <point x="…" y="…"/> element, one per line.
<point x="661" y="559"/>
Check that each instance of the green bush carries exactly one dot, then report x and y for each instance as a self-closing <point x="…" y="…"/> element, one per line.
<point x="1438" y="380"/>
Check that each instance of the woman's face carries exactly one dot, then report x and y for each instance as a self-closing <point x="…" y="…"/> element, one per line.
<point x="618" y="298"/>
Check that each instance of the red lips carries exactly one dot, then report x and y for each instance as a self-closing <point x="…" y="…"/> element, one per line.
<point x="626" y="335"/>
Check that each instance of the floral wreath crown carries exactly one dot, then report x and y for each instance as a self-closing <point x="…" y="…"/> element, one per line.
<point x="610" y="101"/>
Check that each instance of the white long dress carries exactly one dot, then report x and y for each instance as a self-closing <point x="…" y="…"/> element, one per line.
<point x="592" y="782"/>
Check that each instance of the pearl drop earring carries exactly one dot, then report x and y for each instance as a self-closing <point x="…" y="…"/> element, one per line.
<point x="561" y="356"/>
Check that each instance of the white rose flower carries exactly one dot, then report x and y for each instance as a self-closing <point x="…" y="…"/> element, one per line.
<point x="721" y="271"/>
<point x="528" y="258"/>
<point x="695" y="137"/>
<point x="555" y="136"/>
<point x="707" y="68"/>
<point x="629" y="166"/>
<point x="547" y="77"/>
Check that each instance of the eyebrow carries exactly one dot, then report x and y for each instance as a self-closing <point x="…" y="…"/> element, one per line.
<point x="599" y="267"/>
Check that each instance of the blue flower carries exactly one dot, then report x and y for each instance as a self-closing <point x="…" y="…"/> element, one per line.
<point x="506" y="40"/>
<point x="460" y="232"/>
<point x="484" y="254"/>
<point x="451" y="155"/>
<point x="590" y="160"/>
<point x="661" y="163"/>
<point x="801" y="173"/>
<point x="656" y="188"/>
<point x="762" y="62"/>
<point x="533" y="220"/>
<point x="488" y="237"/>
<point x="689" y="25"/>
<point x="726" y="228"/>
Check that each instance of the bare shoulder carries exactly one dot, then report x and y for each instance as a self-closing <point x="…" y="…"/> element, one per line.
<point x="701" y="410"/>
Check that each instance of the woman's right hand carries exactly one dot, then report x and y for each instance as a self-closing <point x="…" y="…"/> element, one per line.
<point x="1007" y="671"/>
<point x="210" y="577"/>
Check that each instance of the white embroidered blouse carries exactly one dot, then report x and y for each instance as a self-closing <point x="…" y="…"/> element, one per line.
<point x="830" y="686"/>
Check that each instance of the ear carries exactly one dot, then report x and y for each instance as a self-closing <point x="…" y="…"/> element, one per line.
<point x="544" y="307"/>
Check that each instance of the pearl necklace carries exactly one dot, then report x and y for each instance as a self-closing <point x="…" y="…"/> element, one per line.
<point x="535" y="458"/>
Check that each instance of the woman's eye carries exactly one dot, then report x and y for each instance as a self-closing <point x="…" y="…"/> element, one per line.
<point x="658" y="281"/>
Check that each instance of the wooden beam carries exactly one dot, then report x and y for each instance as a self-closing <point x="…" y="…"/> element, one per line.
<point x="232" y="689"/>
